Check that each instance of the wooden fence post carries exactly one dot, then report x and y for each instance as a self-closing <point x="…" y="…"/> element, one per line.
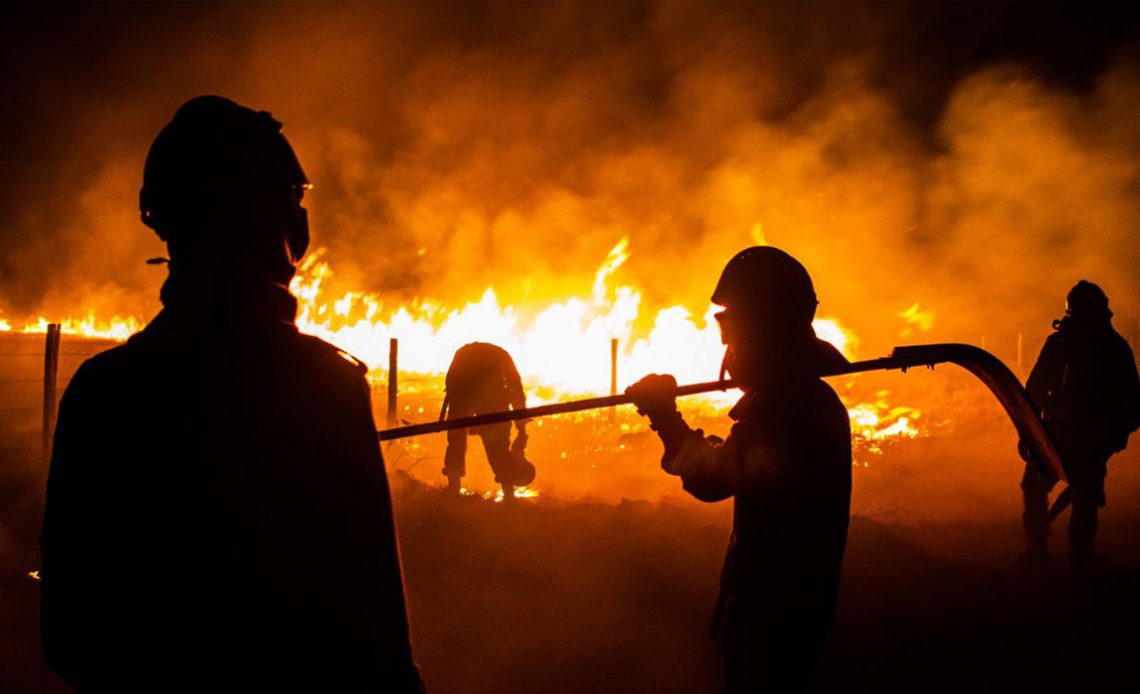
<point x="393" y="380"/>
<point x="51" y="373"/>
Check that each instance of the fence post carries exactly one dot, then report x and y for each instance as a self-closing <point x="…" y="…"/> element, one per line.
<point x="51" y="372"/>
<point x="393" y="379"/>
<point x="613" y="373"/>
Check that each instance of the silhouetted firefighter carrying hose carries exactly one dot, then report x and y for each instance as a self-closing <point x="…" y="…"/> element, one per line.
<point x="988" y="368"/>
<point x="786" y="462"/>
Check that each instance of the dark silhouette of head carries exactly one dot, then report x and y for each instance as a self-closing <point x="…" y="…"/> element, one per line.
<point x="223" y="187"/>
<point x="769" y="305"/>
<point x="1087" y="301"/>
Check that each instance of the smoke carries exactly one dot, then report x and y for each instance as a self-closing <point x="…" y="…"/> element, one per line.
<point x="456" y="147"/>
<point x="1037" y="191"/>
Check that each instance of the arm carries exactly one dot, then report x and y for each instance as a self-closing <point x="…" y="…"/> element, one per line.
<point x="708" y="467"/>
<point x="712" y="469"/>
<point x="758" y="456"/>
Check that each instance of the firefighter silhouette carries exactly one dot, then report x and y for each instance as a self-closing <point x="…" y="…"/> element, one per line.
<point x="482" y="378"/>
<point x="1085" y="385"/>
<point x="218" y="513"/>
<point x="786" y="463"/>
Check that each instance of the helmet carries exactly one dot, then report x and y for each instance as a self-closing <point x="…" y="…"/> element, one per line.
<point x="1087" y="299"/>
<point x="763" y="278"/>
<point x="215" y="150"/>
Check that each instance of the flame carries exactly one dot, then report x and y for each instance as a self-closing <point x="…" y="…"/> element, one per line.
<point x="117" y="328"/>
<point x="757" y="235"/>
<point x="562" y="348"/>
<point x="498" y="496"/>
<point x="616" y="258"/>
<point x="923" y="320"/>
<point x="830" y="330"/>
<point x="878" y="420"/>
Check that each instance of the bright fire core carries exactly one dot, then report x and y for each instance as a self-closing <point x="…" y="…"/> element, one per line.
<point x="562" y="349"/>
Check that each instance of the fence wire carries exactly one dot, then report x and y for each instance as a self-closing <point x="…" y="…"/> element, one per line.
<point x="21" y="392"/>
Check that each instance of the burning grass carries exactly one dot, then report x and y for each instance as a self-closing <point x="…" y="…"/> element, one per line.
<point x="561" y="346"/>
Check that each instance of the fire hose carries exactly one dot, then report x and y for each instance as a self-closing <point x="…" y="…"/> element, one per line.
<point x="986" y="367"/>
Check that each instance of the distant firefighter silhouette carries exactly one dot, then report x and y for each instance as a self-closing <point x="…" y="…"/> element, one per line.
<point x="218" y="514"/>
<point x="482" y="378"/>
<point x="787" y="463"/>
<point x="1086" y="387"/>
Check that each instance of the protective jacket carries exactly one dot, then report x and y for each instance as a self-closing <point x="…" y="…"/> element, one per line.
<point x="787" y="463"/>
<point x="483" y="378"/>
<point x="218" y="513"/>
<point x="1086" y="385"/>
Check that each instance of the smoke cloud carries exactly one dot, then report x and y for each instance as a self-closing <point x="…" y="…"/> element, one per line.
<point x="456" y="147"/>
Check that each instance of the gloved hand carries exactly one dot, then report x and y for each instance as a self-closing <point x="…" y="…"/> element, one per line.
<point x="654" y="396"/>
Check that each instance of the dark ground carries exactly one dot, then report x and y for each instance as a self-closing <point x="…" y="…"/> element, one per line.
<point x="557" y="596"/>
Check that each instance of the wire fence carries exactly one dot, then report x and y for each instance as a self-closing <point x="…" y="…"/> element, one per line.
<point x="35" y="368"/>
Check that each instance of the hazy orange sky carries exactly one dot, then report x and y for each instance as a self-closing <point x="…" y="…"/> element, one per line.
<point x="978" y="159"/>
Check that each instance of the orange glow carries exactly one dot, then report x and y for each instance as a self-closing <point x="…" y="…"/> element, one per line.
<point x="562" y="348"/>
<point x="876" y="421"/>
